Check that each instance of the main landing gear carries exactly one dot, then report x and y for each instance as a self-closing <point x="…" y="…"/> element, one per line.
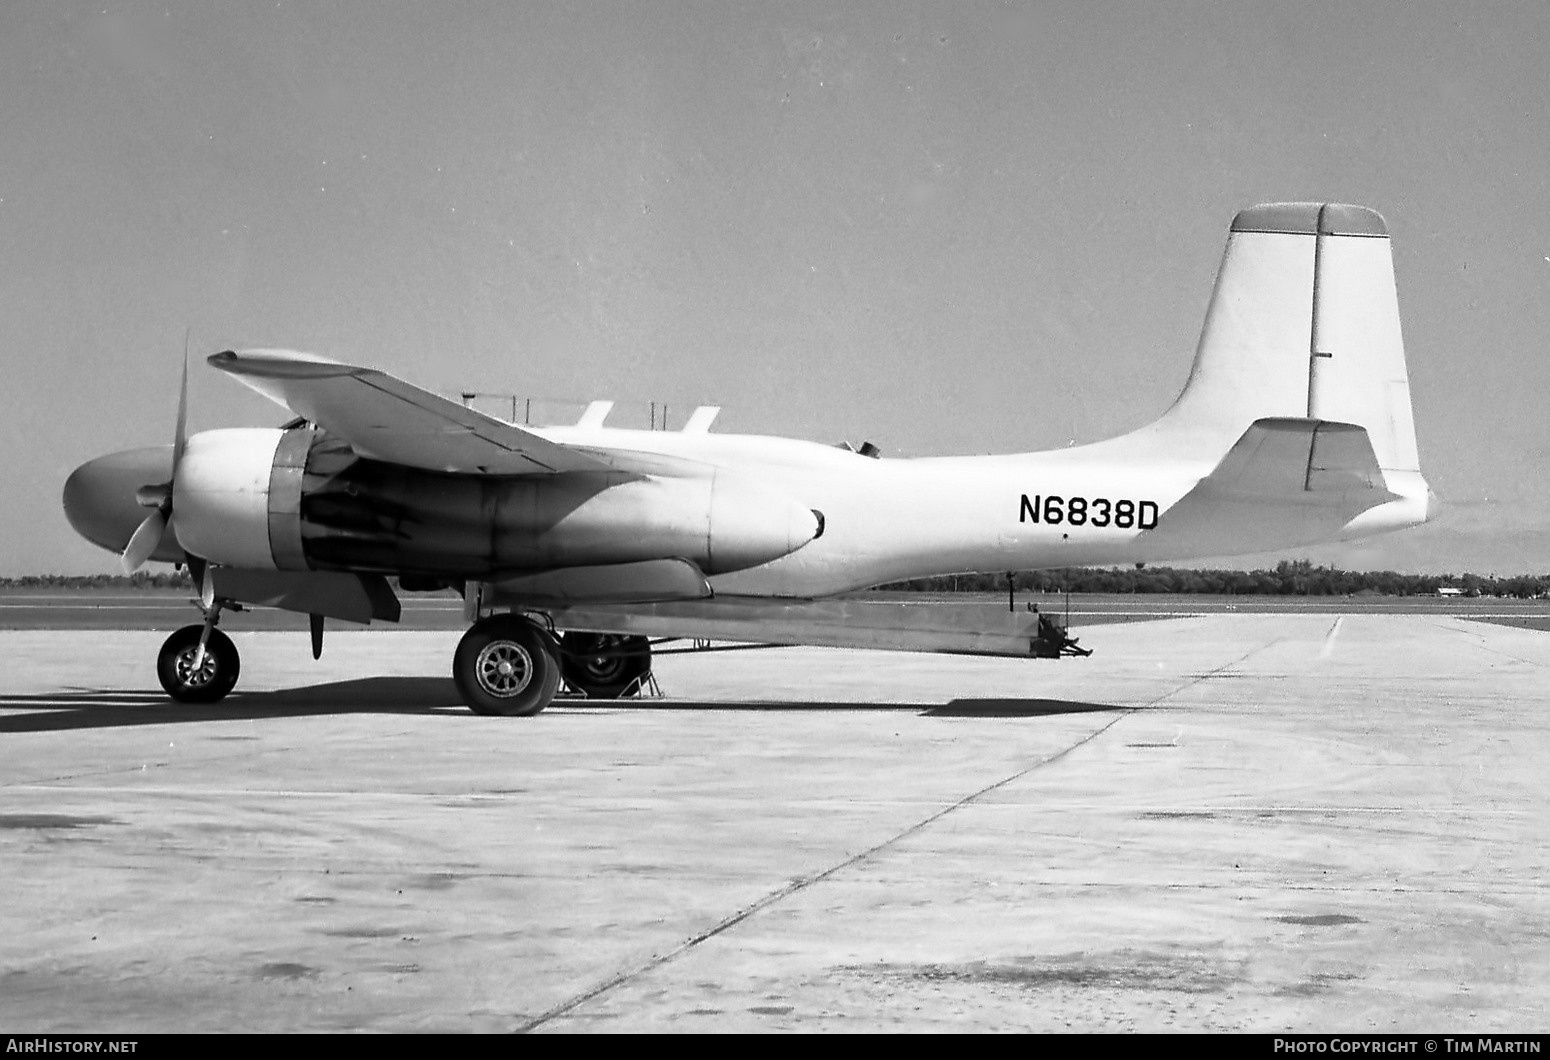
<point x="509" y="666"/>
<point x="506" y="665"/>
<point x="604" y="665"/>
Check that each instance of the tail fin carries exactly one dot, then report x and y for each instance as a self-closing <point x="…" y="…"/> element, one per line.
<point x="1298" y="402"/>
<point x="1303" y="323"/>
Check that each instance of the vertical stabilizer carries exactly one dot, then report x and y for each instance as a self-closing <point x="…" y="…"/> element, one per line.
<point x="1303" y="323"/>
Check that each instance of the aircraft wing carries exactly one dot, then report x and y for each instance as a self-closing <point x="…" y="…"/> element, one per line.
<point x="385" y="418"/>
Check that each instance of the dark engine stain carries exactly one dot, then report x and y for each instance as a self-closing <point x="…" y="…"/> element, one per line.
<point x="364" y="933"/>
<point x="773" y="1010"/>
<point x="286" y="970"/>
<point x="1321" y="919"/>
<point x="50" y="820"/>
<point x="1315" y="985"/>
<point x="317" y="899"/>
<point x="1184" y="973"/>
<point x="436" y="881"/>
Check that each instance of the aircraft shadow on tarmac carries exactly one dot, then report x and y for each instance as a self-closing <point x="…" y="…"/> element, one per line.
<point x="82" y="708"/>
<point x="957" y="708"/>
<point x="1016" y="708"/>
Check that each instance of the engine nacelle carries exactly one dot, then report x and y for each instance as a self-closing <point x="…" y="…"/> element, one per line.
<point x="299" y="499"/>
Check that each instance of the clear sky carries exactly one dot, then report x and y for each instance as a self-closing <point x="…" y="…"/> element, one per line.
<point x="948" y="227"/>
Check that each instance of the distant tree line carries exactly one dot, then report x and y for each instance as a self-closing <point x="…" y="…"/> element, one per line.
<point x="1289" y="578"/>
<point x="140" y="579"/>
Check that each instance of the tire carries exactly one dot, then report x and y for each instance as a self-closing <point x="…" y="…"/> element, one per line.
<point x="604" y="665"/>
<point x="506" y="667"/>
<point x="212" y="681"/>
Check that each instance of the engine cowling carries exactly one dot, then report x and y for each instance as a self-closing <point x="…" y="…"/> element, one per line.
<point x="220" y="498"/>
<point x="300" y="499"/>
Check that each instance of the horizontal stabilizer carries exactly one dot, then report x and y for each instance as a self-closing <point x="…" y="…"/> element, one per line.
<point x="385" y="418"/>
<point x="1286" y="456"/>
<point x="646" y="581"/>
<point x="1288" y="481"/>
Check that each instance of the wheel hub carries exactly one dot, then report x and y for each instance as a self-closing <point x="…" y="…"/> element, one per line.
<point x="185" y="667"/>
<point x="610" y="660"/>
<point x="503" y="668"/>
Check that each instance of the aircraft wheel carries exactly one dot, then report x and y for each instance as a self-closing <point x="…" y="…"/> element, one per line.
<point x="216" y="675"/>
<point x="604" y="665"/>
<point x="505" y="667"/>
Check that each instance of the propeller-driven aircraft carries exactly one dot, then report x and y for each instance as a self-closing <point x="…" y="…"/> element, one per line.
<point x="572" y="545"/>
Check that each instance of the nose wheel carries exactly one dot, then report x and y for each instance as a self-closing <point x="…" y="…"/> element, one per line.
<point x="191" y="674"/>
<point x="505" y="666"/>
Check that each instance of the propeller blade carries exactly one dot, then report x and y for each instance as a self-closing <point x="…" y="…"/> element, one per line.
<point x="181" y="438"/>
<point x="148" y="535"/>
<point x="144" y="541"/>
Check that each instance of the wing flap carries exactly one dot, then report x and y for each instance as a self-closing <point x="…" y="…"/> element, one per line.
<point x="385" y="418"/>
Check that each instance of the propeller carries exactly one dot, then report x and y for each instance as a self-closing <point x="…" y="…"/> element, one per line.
<point x="158" y="496"/>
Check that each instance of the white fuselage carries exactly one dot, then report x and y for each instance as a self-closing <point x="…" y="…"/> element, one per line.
<point x="881" y="520"/>
<point x="893" y="519"/>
